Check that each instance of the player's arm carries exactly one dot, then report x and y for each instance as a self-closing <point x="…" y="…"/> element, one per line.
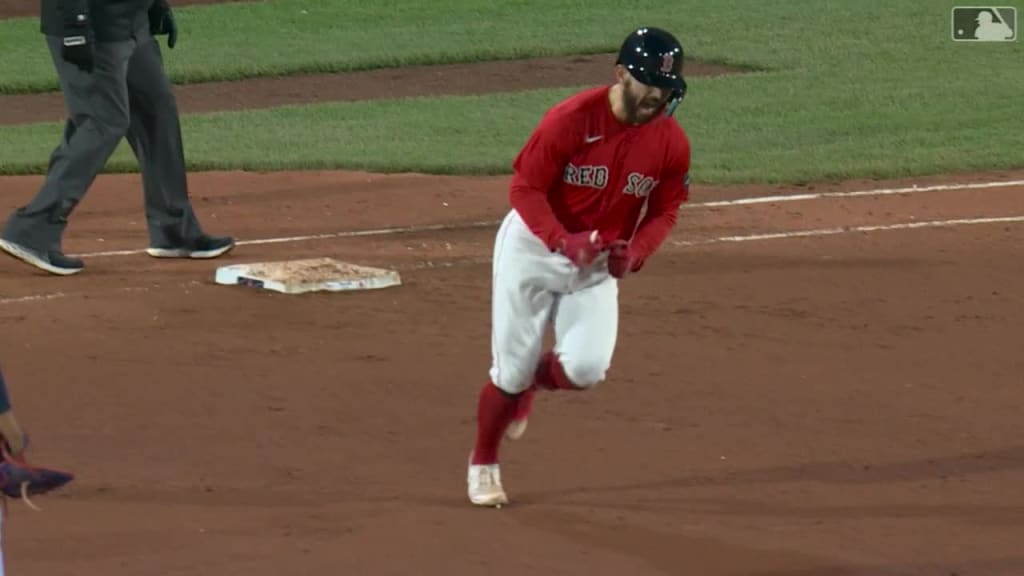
<point x="662" y="213"/>
<point x="161" y="21"/>
<point x="10" y="430"/>
<point x="540" y="164"/>
<point x="661" y="216"/>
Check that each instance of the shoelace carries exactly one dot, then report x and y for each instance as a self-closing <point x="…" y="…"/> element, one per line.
<point x="24" y="497"/>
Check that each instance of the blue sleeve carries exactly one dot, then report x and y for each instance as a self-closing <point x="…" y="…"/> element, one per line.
<point x="5" y="401"/>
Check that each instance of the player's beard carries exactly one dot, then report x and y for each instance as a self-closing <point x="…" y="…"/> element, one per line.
<point x="639" y="111"/>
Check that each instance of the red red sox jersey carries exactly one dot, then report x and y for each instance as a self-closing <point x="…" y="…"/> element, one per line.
<point x="582" y="169"/>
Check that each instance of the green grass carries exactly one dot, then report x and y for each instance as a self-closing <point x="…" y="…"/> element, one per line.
<point x="853" y="89"/>
<point x="231" y="41"/>
<point x="480" y="133"/>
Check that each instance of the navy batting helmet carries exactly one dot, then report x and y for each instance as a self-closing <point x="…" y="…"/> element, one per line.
<point x="655" y="57"/>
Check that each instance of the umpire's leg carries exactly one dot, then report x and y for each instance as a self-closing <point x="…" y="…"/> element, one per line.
<point x="155" y="136"/>
<point x="97" y="107"/>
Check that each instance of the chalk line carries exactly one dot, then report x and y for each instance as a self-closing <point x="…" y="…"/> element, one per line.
<point x="32" y="298"/>
<point x="55" y="295"/>
<point x="851" y="229"/>
<point x="853" y="194"/>
<point x="491" y="223"/>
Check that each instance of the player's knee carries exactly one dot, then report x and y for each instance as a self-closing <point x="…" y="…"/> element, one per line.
<point x="586" y="372"/>
<point x="512" y="381"/>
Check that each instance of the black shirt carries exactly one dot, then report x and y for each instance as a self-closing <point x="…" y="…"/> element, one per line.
<point x="112" y="20"/>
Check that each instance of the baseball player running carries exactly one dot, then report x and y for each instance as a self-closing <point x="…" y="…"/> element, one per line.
<point x="596" y="190"/>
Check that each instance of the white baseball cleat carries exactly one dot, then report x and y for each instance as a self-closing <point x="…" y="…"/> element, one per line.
<point x="485" y="485"/>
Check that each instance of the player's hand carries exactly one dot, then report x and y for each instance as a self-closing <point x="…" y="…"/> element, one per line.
<point x="161" y="21"/>
<point x="621" y="259"/>
<point x="78" y="42"/>
<point x="581" y="247"/>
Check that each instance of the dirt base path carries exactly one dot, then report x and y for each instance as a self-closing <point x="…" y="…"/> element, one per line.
<point x="831" y="405"/>
<point x="410" y="81"/>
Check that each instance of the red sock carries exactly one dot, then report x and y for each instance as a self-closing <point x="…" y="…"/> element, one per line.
<point x="494" y="412"/>
<point x="551" y="375"/>
<point x="524" y="403"/>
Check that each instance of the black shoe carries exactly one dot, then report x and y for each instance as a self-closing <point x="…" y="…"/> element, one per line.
<point x="202" y="247"/>
<point x="52" y="261"/>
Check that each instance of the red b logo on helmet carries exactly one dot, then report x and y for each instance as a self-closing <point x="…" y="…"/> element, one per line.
<point x="666" y="63"/>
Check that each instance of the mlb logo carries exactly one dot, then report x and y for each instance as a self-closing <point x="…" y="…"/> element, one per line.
<point x="984" y="24"/>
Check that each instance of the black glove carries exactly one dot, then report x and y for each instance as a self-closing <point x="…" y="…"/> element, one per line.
<point x="78" y="39"/>
<point x="161" y="21"/>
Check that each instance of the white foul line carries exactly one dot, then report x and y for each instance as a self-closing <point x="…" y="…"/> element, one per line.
<point x="327" y="236"/>
<point x="849" y="229"/>
<point x="854" y="194"/>
<point x="491" y="223"/>
<point x="32" y="298"/>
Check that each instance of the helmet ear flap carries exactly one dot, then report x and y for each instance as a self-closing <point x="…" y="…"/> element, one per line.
<point x="677" y="98"/>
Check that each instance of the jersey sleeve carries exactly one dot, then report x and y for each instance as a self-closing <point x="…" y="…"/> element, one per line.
<point x="539" y="165"/>
<point x="5" y="399"/>
<point x="663" y="204"/>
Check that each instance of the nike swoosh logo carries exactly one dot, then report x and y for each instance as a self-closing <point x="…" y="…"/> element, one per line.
<point x="592" y="139"/>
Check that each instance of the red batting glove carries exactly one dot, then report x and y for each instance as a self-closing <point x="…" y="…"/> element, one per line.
<point x="621" y="260"/>
<point x="581" y="247"/>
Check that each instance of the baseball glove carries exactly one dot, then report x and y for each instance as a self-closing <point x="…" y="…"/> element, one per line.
<point x="19" y="479"/>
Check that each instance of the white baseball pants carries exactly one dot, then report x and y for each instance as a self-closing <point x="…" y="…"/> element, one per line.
<point x="530" y="287"/>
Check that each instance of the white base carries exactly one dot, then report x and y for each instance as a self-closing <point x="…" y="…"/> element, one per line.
<point x="311" y="275"/>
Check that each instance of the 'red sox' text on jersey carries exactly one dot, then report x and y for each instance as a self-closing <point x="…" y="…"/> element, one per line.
<point x="583" y="169"/>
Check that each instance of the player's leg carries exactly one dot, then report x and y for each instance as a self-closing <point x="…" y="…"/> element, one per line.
<point x="517" y="427"/>
<point x="524" y="275"/>
<point x="586" y="325"/>
<point x="592" y="283"/>
<point x="155" y="136"/>
<point x="97" y="105"/>
<point x="586" y="330"/>
<point x="519" y="315"/>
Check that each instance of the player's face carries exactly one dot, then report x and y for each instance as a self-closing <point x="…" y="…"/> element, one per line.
<point x="640" y="101"/>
